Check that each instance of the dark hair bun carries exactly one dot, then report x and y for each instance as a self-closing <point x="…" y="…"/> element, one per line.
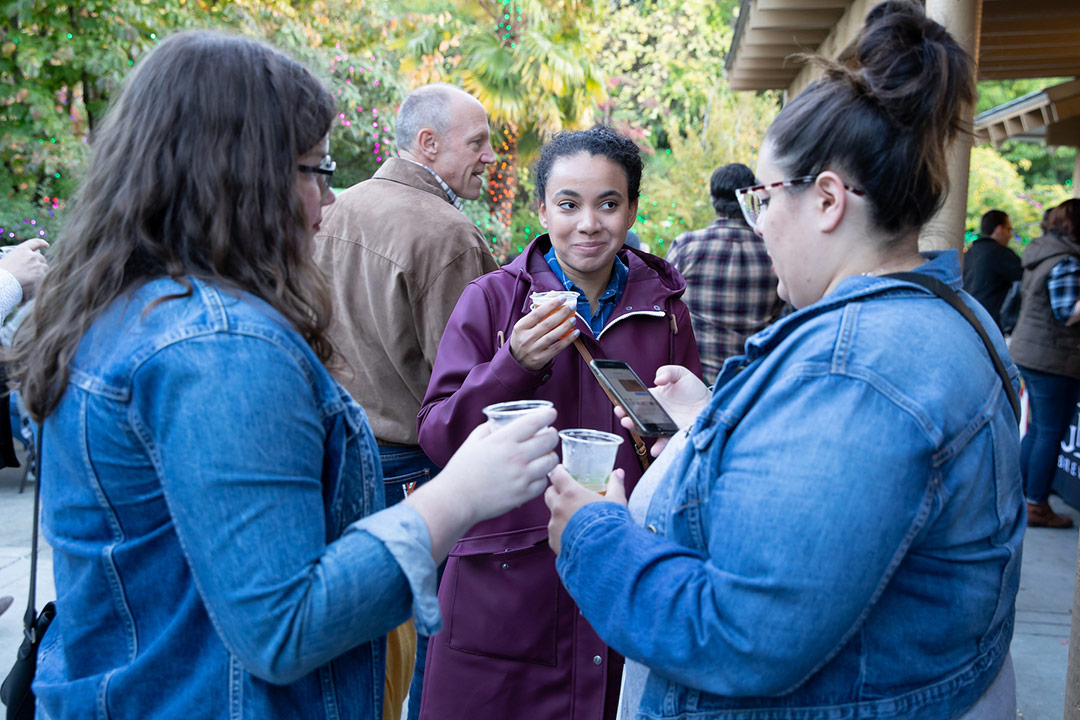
<point x="911" y="67"/>
<point x="884" y="114"/>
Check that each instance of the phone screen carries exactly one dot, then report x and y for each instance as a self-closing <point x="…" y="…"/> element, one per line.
<point x="635" y="397"/>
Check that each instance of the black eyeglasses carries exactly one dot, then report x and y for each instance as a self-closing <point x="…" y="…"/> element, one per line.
<point x="323" y="173"/>
<point x="753" y="207"/>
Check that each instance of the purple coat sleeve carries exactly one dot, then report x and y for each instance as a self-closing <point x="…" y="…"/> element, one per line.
<point x="471" y="371"/>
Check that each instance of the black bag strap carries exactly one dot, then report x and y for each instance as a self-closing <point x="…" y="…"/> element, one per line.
<point x="946" y="293"/>
<point x="30" y="618"/>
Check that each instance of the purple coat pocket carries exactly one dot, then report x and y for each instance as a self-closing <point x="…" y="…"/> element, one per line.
<point x="505" y="597"/>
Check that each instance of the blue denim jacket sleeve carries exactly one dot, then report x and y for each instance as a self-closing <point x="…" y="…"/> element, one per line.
<point x="235" y="430"/>
<point x="806" y="510"/>
<point x="405" y="534"/>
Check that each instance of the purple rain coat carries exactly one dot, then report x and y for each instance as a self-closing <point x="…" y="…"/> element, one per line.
<point x="514" y="644"/>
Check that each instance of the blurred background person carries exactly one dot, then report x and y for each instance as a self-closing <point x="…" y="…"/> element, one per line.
<point x="1046" y="347"/>
<point x="730" y="283"/>
<point x="990" y="267"/>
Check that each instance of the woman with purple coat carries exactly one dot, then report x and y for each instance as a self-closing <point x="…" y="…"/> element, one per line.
<point x="514" y="643"/>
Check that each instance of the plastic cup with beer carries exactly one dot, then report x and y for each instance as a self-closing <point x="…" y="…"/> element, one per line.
<point x="589" y="456"/>
<point x="568" y="297"/>
<point x="502" y="413"/>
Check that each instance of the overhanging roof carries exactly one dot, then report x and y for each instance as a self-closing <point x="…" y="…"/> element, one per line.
<point x="1018" y="39"/>
<point x="1051" y="116"/>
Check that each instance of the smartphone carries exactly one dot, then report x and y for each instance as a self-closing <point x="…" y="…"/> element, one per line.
<point x="622" y="382"/>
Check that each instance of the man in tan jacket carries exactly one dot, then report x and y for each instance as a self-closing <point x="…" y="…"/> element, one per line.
<point x="398" y="252"/>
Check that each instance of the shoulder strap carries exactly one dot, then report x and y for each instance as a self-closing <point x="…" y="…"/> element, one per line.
<point x="945" y="293"/>
<point x="639" y="444"/>
<point x="30" y="618"/>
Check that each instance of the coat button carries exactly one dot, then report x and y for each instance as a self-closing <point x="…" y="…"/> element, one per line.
<point x="651" y="528"/>
<point x="506" y="566"/>
<point x="546" y="377"/>
<point x="597" y="660"/>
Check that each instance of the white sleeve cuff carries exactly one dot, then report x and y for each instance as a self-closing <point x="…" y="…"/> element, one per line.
<point x="11" y="294"/>
<point x="405" y="534"/>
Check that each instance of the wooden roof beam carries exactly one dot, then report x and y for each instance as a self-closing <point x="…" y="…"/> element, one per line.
<point x="793" y="19"/>
<point x="780" y="5"/>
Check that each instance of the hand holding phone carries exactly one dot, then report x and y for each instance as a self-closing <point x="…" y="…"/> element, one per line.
<point x="641" y="407"/>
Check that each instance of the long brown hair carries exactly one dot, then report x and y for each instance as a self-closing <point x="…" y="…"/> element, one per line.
<point x="1064" y="220"/>
<point x="192" y="174"/>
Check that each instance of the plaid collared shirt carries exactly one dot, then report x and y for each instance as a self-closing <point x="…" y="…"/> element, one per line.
<point x="450" y="194"/>
<point x="1064" y="287"/>
<point x="730" y="288"/>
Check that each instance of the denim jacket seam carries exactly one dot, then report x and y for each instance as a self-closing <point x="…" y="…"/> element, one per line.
<point x="329" y="691"/>
<point x="882" y="387"/>
<point x="260" y="328"/>
<point x="102" y="695"/>
<point x="212" y="301"/>
<point x="849" y="316"/>
<point x="960" y="440"/>
<point x="142" y="432"/>
<point x="109" y="569"/>
<point x="600" y="515"/>
<point x="329" y="403"/>
<point x="914" y="528"/>
<point x="236" y="689"/>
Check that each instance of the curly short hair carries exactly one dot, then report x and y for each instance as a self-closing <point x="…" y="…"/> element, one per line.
<point x="597" y="140"/>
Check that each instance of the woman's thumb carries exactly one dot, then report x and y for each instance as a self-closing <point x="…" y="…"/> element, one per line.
<point x="616" y="487"/>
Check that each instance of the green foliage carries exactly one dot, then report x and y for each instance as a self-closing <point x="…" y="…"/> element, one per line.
<point x="675" y="189"/>
<point x="529" y="63"/>
<point x="651" y="68"/>
<point x="998" y="92"/>
<point x="664" y="61"/>
<point x="61" y="64"/>
<point x="1036" y="163"/>
<point x="995" y="184"/>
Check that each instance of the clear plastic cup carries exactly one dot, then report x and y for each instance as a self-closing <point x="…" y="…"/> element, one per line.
<point x="568" y="297"/>
<point x="502" y="413"/>
<point x="589" y="456"/>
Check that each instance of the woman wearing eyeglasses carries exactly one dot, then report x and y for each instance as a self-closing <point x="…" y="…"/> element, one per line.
<point x="212" y="497"/>
<point x="840" y="534"/>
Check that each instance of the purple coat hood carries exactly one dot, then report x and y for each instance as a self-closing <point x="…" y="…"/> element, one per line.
<point x="512" y="635"/>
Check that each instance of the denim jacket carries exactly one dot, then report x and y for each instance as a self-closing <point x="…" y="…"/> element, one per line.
<point x="212" y="498"/>
<point x="841" y="536"/>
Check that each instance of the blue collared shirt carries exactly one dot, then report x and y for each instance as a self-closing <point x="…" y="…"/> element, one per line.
<point x="609" y="299"/>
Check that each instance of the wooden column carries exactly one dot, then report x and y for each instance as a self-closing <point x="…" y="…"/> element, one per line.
<point x="945" y="230"/>
<point x="1076" y="175"/>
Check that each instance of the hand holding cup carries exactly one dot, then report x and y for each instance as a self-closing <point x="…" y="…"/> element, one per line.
<point x="544" y="332"/>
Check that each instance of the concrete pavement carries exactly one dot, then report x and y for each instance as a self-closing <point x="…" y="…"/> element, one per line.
<point x="1040" y="642"/>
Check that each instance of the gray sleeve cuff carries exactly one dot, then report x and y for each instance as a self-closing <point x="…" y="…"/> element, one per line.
<point x="11" y="294"/>
<point x="405" y="535"/>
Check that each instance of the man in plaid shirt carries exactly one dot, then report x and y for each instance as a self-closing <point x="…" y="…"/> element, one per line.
<point x="730" y="283"/>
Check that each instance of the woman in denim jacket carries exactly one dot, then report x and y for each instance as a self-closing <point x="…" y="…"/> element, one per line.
<point x="213" y="498"/>
<point x="840" y="535"/>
